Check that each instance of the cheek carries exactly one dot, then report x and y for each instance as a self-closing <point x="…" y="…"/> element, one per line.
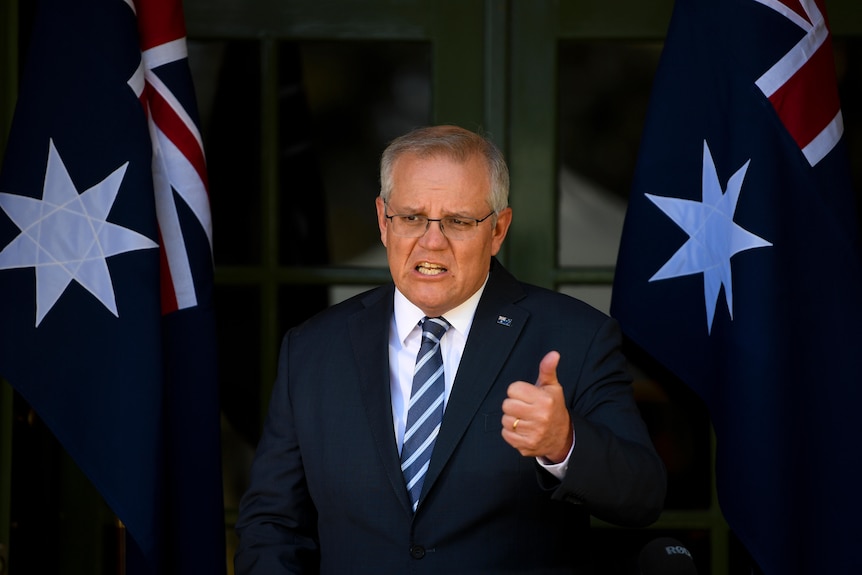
<point x="478" y="253"/>
<point x="397" y="250"/>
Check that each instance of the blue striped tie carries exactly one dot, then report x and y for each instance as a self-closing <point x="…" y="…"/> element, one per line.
<point x="425" y="411"/>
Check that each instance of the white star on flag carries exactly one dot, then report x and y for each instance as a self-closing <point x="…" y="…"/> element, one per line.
<point x="66" y="236"/>
<point x="713" y="235"/>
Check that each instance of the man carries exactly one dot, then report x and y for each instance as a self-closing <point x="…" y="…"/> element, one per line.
<point x="507" y="481"/>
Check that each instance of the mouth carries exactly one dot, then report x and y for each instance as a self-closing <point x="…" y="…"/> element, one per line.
<point x="429" y="269"/>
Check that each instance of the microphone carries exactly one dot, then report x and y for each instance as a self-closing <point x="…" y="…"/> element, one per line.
<point x="666" y="556"/>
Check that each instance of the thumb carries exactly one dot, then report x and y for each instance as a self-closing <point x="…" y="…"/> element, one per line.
<point x="548" y="369"/>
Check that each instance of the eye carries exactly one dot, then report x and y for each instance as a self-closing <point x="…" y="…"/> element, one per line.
<point x="459" y="222"/>
<point x="412" y="219"/>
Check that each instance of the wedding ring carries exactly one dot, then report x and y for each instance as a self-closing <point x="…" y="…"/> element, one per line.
<point x="515" y="425"/>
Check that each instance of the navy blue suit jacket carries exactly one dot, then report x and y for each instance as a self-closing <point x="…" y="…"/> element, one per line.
<point x="326" y="492"/>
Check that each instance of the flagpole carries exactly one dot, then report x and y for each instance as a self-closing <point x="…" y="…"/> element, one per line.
<point x="120" y="530"/>
<point x="6" y="399"/>
<point x="719" y="536"/>
<point x="8" y="68"/>
<point x="9" y="17"/>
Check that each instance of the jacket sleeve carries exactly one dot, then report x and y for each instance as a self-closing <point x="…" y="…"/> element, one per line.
<point x="614" y="470"/>
<point x="277" y="520"/>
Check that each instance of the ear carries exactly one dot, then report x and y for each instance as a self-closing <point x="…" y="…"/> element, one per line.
<point x="381" y="218"/>
<point x="501" y="228"/>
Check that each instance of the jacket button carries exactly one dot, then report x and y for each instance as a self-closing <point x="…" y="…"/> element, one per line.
<point x="417" y="551"/>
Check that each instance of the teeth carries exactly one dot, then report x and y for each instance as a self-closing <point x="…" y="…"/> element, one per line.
<point x="429" y="269"/>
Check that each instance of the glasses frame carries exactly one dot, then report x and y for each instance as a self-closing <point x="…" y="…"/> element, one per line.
<point x="439" y="221"/>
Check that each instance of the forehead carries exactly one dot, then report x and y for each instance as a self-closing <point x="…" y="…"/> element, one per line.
<point x="440" y="179"/>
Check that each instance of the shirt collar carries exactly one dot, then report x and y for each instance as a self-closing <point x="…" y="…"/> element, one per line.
<point x="407" y="315"/>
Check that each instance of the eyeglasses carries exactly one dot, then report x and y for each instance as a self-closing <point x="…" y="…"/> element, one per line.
<point x="453" y="227"/>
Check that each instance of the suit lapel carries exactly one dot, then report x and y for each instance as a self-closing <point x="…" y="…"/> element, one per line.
<point x="496" y="327"/>
<point x="369" y="335"/>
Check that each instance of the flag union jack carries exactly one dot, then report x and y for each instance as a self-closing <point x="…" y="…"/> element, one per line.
<point x="801" y="85"/>
<point x="179" y="165"/>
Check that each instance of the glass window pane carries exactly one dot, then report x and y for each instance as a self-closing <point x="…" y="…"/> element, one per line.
<point x="238" y="332"/>
<point x="341" y="103"/>
<point x="297" y="303"/>
<point x="603" y="93"/>
<point x="227" y="84"/>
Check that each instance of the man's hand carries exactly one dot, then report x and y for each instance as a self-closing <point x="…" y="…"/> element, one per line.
<point x="535" y="419"/>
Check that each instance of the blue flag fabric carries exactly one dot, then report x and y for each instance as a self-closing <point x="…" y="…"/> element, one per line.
<point x="106" y="272"/>
<point x="739" y="270"/>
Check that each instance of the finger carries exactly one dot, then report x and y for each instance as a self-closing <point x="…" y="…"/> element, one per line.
<point x="519" y="395"/>
<point x="548" y="369"/>
<point x="511" y="423"/>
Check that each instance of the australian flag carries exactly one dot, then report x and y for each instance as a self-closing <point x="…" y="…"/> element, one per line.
<point x="106" y="271"/>
<point x="739" y="270"/>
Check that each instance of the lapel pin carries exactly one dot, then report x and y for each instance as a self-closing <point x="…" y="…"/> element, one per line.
<point x="503" y="320"/>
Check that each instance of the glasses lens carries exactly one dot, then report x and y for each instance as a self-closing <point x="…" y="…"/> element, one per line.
<point x="409" y="226"/>
<point x="458" y="228"/>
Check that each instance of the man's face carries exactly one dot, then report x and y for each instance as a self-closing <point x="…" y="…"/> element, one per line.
<point x="435" y="273"/>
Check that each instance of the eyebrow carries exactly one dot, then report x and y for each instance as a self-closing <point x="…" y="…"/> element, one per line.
<point x="418" y="212"/>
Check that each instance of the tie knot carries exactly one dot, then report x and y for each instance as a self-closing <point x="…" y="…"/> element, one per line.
<point x="434" y="327"/>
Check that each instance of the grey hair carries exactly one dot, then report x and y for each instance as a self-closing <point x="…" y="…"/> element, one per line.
<point x="455" y="143"/>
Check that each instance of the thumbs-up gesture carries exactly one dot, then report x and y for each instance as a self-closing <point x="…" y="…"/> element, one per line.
<point x="535" y="419"/>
